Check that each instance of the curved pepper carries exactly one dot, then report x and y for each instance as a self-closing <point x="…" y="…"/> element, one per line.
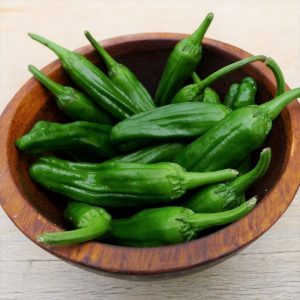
<point x="181" y="63"/>
<point x="72" y="102"/>
<point x="85" y="139"/>
<point x="124" y="78"/>
<point x="233" y="138"/>
<point x="224" y="196"/>
<point x="116" y="184"/>
<point x="171" y="225"/>
<point x="92" y="80"/>
<point x="173" y="122"/>
<point x="194" y="92"/>
<point x="93" y="222"/>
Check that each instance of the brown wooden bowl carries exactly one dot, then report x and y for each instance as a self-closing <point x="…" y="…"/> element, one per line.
<point x="35" y="210"/>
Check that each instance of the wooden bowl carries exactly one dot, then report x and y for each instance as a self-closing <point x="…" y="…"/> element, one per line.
<point x="35" y="210"/>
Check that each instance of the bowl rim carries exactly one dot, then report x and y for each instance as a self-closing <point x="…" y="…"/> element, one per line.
<point x="119" y="260"/>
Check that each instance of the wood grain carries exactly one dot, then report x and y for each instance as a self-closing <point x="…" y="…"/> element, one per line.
<point x="34" y="211"/>
<point x="265" y="269"/>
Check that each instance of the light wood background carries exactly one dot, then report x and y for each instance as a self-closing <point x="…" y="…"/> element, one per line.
<point x="267" y="269"/>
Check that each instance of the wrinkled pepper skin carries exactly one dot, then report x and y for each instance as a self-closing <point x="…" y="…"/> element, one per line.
<point x="154" y="154"/>
<point x="181" y="63"/>
<point x="92" y="80"/>
<point x="232" y="139"/>
<point x="223" y="196"/>
<point x="85" y="139"/>
<point x="92" y="223"/>
<point x="241" y="95"/>
<point x="124" y="78"/>
<point x="170" y="225"/>
<point x="194" y="92"/>
<point x="173" y="122"/>
<point x="116" y="184"/>
<point x="72" y="102"/>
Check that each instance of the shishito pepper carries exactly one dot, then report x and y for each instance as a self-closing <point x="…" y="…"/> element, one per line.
<point x="223" y="196"/>
<point x="92" y="223"/>
<point x="118" y="184"/>
<point x="170" y="225"/>
<point x="72" y="102"/>
<point x="153" y="154"/>
<point x="241" y="95"/>
<point x="173" y="122"/>
<point x="85" y="139"/>
<point x="181" y="63"/>
<point x="148" y="228"/>
<point x="232" y="139"/>
<point x="92" y="80"/>
<point x="124" y="78"/>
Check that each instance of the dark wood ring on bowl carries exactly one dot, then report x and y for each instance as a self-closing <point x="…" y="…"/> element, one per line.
<point x="32" y="213"/>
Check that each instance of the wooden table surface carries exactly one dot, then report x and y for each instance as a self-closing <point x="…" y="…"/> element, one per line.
<point x="267" y="269"/>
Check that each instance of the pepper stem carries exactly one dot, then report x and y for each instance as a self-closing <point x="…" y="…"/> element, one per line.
<point x="58" y="50"/>
<point x="271" y="63"/>
<point x="232" y="67"/>
<point x="91" y="232"/>
<point x="240" y="184"/>
<point x="200" y="221"/>
<point x="198" y="35"/>
<point x="195" y="179"/>
<point x="109" y="61"/>
<point x="275" y="106"/>
<point x="196" y="78"/>
<point x="54" y="87"/>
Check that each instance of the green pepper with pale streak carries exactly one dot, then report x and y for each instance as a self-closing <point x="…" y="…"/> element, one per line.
<point x="72" y="102"/>
<point x="89" y="141"/>
<point x="223" y="196"/>
<point x="118" y="184"/>
<point x="124" y="78"/>
<point x="229" y="142"/>
<point x="181" y="63"/>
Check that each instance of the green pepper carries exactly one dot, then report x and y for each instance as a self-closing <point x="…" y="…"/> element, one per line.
<point x="118" y="184"/>
<point x="92" y="80"/>
<point x="173" y="122"/>
<point x="72" y="102"/>
<point x="170" y="225"/>
<point x="194" y="92"/>
<point x="232" y="139"/>
<point x="224" y="196"/>
<point x="124" y="78"/>
<point x="241" y="95"/>
<point x="93" y="222"/>
<point x="85" y="139"/>
<point x="160" y="153"/>
<point x="181" y="63"/>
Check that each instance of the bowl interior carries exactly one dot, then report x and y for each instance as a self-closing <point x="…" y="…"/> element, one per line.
<point x="146" y="58"/>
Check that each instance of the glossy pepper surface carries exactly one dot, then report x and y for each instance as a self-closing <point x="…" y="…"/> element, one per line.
<point x="173" y="122"/>
<point x="92" y="80"/>
<point x="170" y="225"/>
<point x="72" y="102"/>
<point x="124" y="78"/>
<point x="194" y="92"/>
<point x="224" y="196"/>
<point x="117" y="184"/>
<point x="241" y="95"/>
<point x="232" y="139"/>
<point x="85" y="139"/>
<point x="181" y="63"/>
<point x="92" y="223"/>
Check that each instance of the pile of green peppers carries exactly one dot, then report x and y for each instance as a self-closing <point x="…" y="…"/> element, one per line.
<point x="180" y="161"/>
